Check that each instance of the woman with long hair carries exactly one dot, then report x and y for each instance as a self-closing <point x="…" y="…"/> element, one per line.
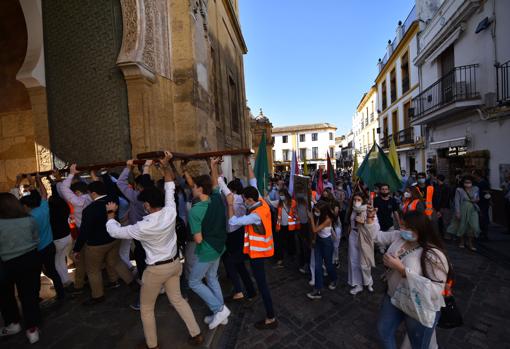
<point x="412" y="201"/>
<point x="415" y="252"/>
<point x="361" y="247"/>
<point x="466" y="220"/>
<point x="21" y="262"/>
<point x="321" y="222"/>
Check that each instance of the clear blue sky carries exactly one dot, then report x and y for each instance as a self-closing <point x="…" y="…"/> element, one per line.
<point x="311" y="61"/>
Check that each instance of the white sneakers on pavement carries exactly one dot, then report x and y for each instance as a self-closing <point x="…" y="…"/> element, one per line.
<point x="219" y="317"/>
<point x="33" y="336"/>
<point x="357" y="289"/>
<point x="10" y="330"/>
<point x="209" y="319"/>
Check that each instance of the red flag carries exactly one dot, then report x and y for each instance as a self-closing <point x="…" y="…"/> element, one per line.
<point x="331" y="172"/>
<point x="320" y="186"/>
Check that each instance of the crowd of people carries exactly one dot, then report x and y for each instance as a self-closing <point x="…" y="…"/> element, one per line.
<point x="180" y="228"/>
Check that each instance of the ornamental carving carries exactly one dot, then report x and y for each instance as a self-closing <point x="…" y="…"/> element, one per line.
<point x="145" y="47"/>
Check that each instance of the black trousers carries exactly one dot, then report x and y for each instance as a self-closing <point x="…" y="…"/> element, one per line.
<point x="139" y="253"/>
<point x="305" y="243"/>
<point x="22" y="272"/>
<point x="279" y="242"/>
<point x="234" y="260"/>
<point x="48" y="268"/>
<point x="259" y="273"/>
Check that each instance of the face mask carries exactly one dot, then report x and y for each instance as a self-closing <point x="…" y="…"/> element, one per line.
<point x="282" y="197"/>
<point x="487" y="196"/>
<point x="407" y="235"/>
<point x="407" y="195"/>
<point x="357" y="204"/>
<point x="421" y="180"/>
<point x="468" y="185"/>
<point x="316" y="214"/>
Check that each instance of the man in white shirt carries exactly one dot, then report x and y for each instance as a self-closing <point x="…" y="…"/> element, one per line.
<point x="156" y="232"/>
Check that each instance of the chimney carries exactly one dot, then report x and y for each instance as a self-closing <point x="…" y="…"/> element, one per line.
<point x="400" y="31"/>
<point x="389" y="49"/>
<point x="379" y="64"/>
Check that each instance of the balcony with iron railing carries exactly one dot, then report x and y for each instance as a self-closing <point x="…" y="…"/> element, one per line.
<point x="503" y="83"/>
<point x="459" y="86"/>
<point x="401" y="138"/>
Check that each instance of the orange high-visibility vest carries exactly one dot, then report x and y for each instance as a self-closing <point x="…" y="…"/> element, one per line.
<point x="293" y="218"/>
<point x="429" y="209"/>
<point x="410" y="205"/>
<point x="258" y="240"/>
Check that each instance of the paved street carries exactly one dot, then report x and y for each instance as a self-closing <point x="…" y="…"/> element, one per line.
<point x="339" y="320"/>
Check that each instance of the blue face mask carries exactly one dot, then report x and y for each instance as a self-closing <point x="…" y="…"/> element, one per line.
<point x="407" y="235"/>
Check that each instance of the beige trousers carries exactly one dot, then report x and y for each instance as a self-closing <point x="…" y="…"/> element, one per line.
<point x="96" y="257"/>
<point x="154" y="277"/>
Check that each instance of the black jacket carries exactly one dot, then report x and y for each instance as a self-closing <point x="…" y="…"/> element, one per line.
<point x="93" y="224"/>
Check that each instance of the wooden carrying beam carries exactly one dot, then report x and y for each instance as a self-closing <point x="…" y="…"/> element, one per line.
<point x="196" y="156"/>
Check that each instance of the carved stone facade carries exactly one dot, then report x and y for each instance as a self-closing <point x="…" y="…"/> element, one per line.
<point x="181" y="63"/>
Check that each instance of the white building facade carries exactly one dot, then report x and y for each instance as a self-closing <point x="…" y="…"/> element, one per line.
<point x="365" y="124"/>
<point x="313" y="142"/>
<point x="463" y="104"/>
<point x="397" y="84"/>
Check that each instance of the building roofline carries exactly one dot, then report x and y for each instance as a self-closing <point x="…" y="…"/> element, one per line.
<point x="237" y="26"/>
<point x="305" y="127"/>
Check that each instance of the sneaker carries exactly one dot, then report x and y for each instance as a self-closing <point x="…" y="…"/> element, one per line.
<point x="112" y="285"/>
<point x="196" y="341"/>
<point x="332" y="286"/>
<point x="356" y="289"/>
<point x="210" y="318"/>
<point x="10" y="330"/>
<point x="219" y="317"/>
<point x="135" y="305"/>
<point x="315" y="294"/>
<point x="311" y="283"/>
<point x="33" y="335"/>
<point x="262" y="325"/>
<point x="370" y="288"/>
<point x="94" y="301"/>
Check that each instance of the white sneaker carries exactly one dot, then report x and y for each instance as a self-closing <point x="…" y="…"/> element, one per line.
<point x="370" y="288"/>
<point x="209" y="319"/>
<point x="33" y="337"/>
<point x="219" y="317"/>
<point x="10" y="330"/>
<point x="357" y="289"/>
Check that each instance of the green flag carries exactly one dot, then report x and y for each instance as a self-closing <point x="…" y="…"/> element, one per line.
<point x="376" y="168"/>
<point x="355" y="166"/>
<point x="261" y="168"/>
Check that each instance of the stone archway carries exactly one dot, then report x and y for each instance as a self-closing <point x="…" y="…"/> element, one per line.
<point x="23" y="117"/>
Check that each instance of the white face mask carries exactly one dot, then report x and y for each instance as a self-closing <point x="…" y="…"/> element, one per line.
<point x="421" y="180"/>
<point x="407" y="195"/>
<point x="317" y="214"/>
<point x="357" y="204"/>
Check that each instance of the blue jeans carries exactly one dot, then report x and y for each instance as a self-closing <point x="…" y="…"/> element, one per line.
<point x="210" y="293"/>
<point x="390" y="318"/>
<point x="324" y="251"/>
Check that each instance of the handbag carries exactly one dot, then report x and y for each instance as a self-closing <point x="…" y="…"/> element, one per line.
<point x="450" y="314"/>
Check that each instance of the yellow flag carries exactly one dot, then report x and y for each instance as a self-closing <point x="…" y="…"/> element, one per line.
<point x="393" y="157"/>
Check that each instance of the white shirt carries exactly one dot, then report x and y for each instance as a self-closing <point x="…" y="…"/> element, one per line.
<point x="325" y="232"/>
<point x="156" y="232"/>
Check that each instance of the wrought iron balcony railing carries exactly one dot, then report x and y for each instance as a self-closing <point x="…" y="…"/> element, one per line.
<point x="458" y="85"/>
<point x="503" y="82"/>
<point x="403" y="137"/>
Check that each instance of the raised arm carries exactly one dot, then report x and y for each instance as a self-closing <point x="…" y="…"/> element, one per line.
<point x="123" y="184"/>
<point x="214" y="171"/>
<point x="41" y="188"/>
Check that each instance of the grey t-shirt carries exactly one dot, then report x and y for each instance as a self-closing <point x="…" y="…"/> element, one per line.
<point x="17" y="237"/>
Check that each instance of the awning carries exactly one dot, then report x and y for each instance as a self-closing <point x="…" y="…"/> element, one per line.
<point x="449" y="143"/>
<point x="430" y="56"/>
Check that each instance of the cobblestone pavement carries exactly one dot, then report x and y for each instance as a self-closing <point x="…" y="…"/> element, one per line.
<point x="341" y="320"/>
